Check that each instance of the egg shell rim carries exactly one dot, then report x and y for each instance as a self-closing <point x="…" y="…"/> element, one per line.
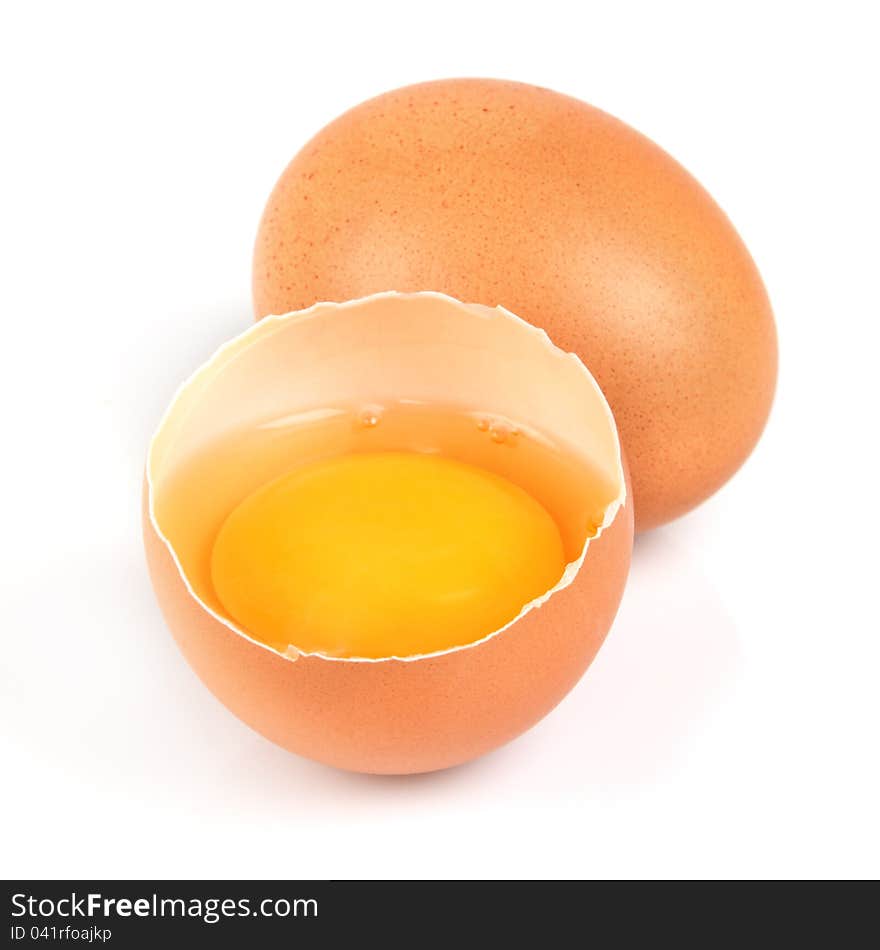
<point x="240" y="340"/>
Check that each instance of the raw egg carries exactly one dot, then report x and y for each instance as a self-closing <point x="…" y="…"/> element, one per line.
<point x="389" y="534"/>
<point x="515" y="195"/>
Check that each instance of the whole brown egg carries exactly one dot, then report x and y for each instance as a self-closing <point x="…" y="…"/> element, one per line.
<point x="503" y="193"/>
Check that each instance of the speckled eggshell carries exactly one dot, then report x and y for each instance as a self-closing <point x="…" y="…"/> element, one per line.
<point x="418" y="713"/>
<point x="510" y="194"/>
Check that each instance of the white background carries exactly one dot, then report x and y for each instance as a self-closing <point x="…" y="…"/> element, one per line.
<point x="729" y="727"/>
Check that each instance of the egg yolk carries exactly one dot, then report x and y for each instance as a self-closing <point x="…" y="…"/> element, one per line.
<point x="383" y="554"/>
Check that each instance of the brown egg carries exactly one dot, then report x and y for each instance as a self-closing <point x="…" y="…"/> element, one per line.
<point x="388" y="714"/>
<point x="510" y="194"/>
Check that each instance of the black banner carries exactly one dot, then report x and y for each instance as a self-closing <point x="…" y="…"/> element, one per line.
<point x="193" y="914"/>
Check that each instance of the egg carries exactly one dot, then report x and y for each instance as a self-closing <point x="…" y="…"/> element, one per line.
<point x="389" y="534"/>
<point x="510" y="194"/>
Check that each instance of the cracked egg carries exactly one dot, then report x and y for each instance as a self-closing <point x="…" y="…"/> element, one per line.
<point x="389" y="534"/>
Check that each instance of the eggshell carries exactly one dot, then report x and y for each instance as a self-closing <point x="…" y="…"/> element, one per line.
<point x="414" y="714"/>
<point x="511" y="194"/>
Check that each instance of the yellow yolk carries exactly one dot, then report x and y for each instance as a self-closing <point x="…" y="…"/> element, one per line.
<point x="383" y="554"/>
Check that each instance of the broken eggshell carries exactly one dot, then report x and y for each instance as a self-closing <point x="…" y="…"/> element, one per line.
<point x="415" y="713"/>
